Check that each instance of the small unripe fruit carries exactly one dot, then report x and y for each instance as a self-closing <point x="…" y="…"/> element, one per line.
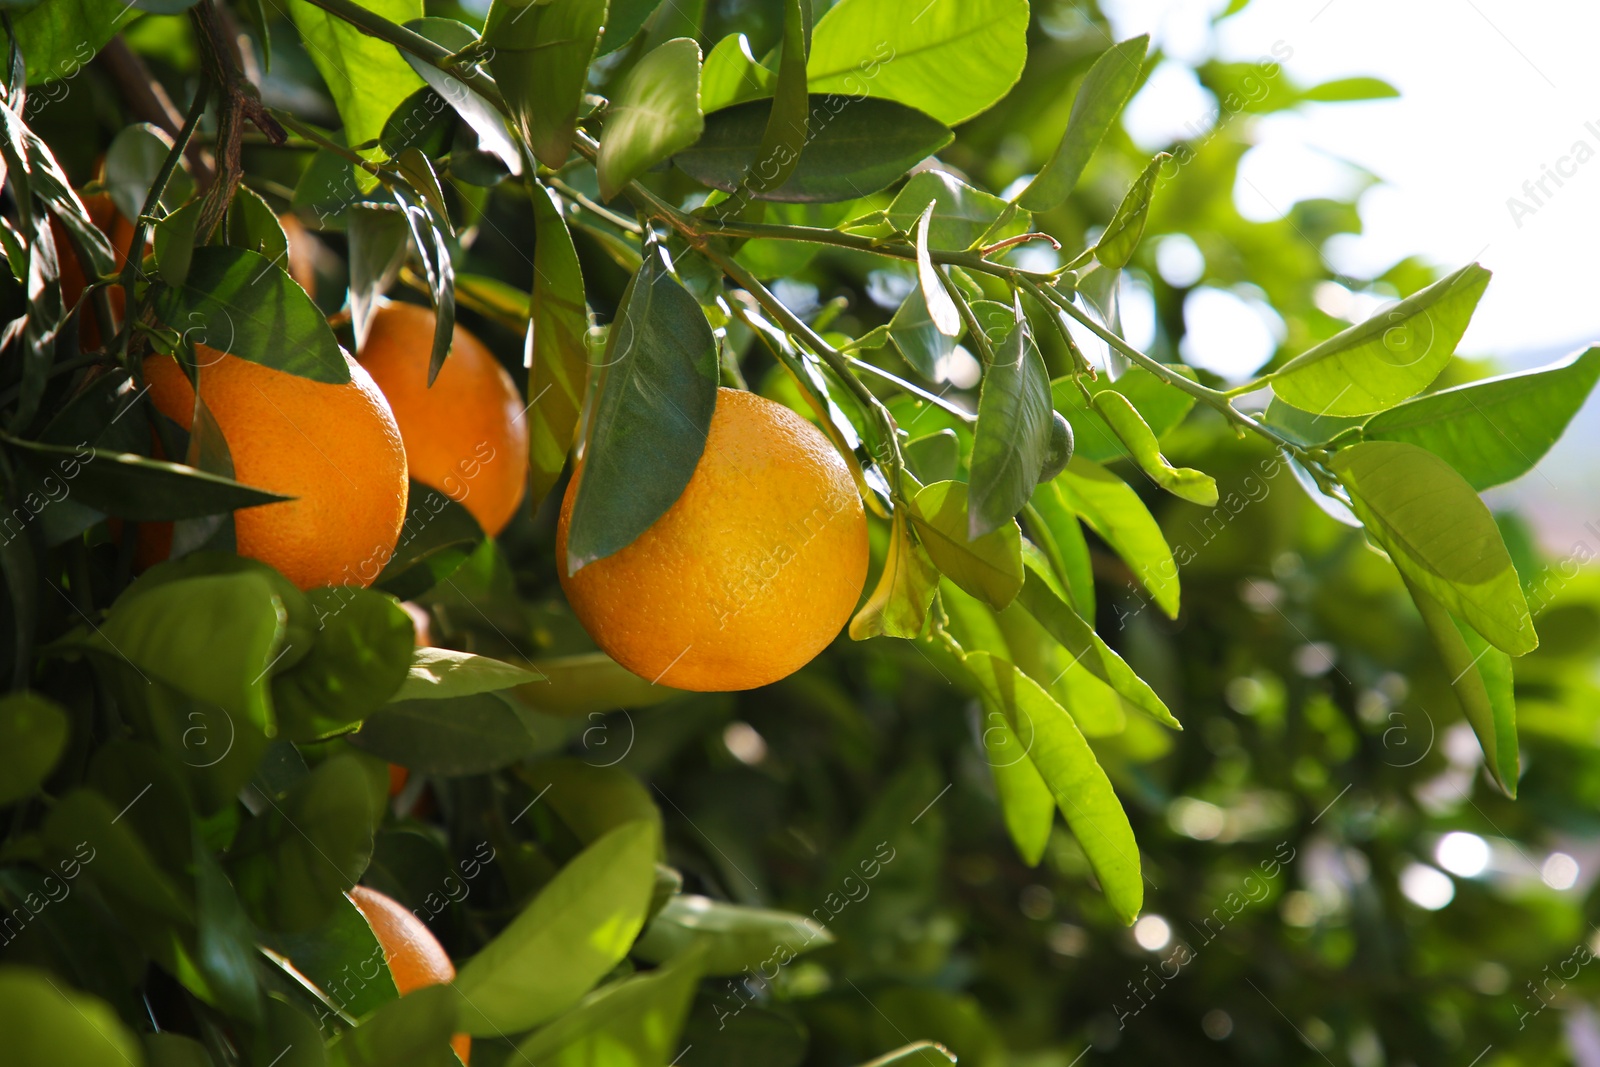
<point x="1059" y="454"/>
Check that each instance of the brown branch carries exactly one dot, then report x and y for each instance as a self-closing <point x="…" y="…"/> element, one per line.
<point x="237" y="102"/>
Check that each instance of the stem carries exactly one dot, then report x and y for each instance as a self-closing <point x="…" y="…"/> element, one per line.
<point x="936" y="399"/>
<point x="1079" y="360"/>
<point x="620" y="221"/>
<point x="315" y="138"/>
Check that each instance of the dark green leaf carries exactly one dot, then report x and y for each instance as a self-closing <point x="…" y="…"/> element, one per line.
<point x="226" y="949"/>
<point x="914" y="335"/>
<point x="174" y="238"/>
<point x="557" y="351"/>
<point x="437" y="537"/>
<point x="650" y="418"/>
<point x="476" y="111"/>
<point x="1069" y="768"/>
<point x="1101" y="96"/>
<point x="57" y="39"/>
<point x="592" y="801"/>
<point x="342" y="958"/>
<point x="1197" y="487"/>
<point x="46" y="1021"/>
<point x="358" y="659"/>
<point x="251" y="224"/>
<point x="1121" y="237"/>
<point x="1013" y="432"/>
<point x="624" y="19"/>
<point x="1392" y="355"/>
<point x="377" y="236"/>
<point x="464" y="735"/>
<point x="85" y="827"/>
<point x="788" y="121"/>
<point x="441" y="673"/>
<point x="630" y="1023"/>
<point x="1494" y="430"/>
<point x="988" y="567"/>
<point x="293" y="862"/>
<point x="413" y="1031"/>
<point x="242" y="303"/>
<point x="857" y="146"/>
<point x="33" y="732"/>
<point x="540" y="54"/>
<point x="655" y="113"/>
<point x="1115" y="512"/>
<point x="1440" y="535"/>
<point x="132" y="162"/>
<point x="949" y="60"/>
<point x="586" y="917"/>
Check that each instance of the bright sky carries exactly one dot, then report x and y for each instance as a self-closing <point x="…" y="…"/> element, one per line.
<point x="1494" y="93"/>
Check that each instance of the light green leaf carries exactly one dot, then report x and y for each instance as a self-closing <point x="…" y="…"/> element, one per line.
<point x="1101" y="97"/>
<point x="988" y="567"/>
<point x="1026" y="803"/>
<point x="1494" y="430"/>
<point x="898" y="606"/>
<point x="413" y="1031"/>
<point x="590" y="682"/>
<point x="556" y="349"/>
<point x="1087" y="648"/>
<point x="735" y="937"/>
<point x="586" y="917"/>
<point x="1068" y="766"/>
<point x="732" y="75"/>
<point x="1012" y="438"/>
<point x="1115" y="512"/>
<point x="1440" y="535"/>
<point x="920" y="1053"/>
<point x="33" y="732"/>
<point x="1054" y="528"/>
<point x="455" y="736"/>
<point x="655" y="113"/>
<point x="592" y="801"/>
<point x="631" y="1023"/>
<point x="438" y="673"/>
<point x="951" y="60"/>
<point x="57" y="39"/>
<point x="941" y="307"/>
<point x="1161" y="406"/>
<point x="46" y="1021"/>
<point x="1340" y="90"/>
<point x="1116" y="246"/>
<point x="539" y="56"/>
<point x="367" y="77"/>
<point x="934" y="457"/>
<point x="357" y="660"/>
<point x="1392" y="355"/>
<point x="1194" y="486"/>
<point x="649" y="421"/>
<point x="1481" y="676"/>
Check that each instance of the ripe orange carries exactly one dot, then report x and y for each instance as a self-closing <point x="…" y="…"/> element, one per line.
<point x="334" y="448"/>
<point x="748" y="575"/>
<point x="414" y="955"/>
<point x="466" y="435"/>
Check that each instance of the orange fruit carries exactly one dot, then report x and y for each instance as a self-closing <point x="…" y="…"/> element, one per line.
<point x="466" y="435"/>
<point x="414" y="955"/>
<point x="749" y="574"/>
<point x="334" y="448"/>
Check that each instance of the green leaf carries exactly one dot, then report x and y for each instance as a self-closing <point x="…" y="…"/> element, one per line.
<point x="961" y="214"/>
<point x="650" y="419"/>
<point x="1481" y="676"/>
<point x="1340" y="90"/>
<point x="949" y="60"/>
<point x="586" y="917"/>
<point x="1054" y="528"/>
<point x="58" y="38"/>
<point x="1101" y="96"/>
<point x="1392" y="355"/>
<point x="413" y="1031"/>
<point x="132" y="486"/>
<point x="252" y="225"/>
<point x="441" y="673"/>
<point x="133" y="160"/>
<point x="655" y="113"/>
<point x="46" y="1021"/>
<point x="919" y="1053"/>
<point x="914" y="335"/>
<point x="592" y="801"/>
<point x="624" y="19"/>
<point x="175" y="1050"/>
<point x="1087" y="648"/>
<point x="1026" y="802"/>
<point x="242" y="303"/>
<point x="857" y="146"/>
<point x="453" y="737"/>
<point x="1121" y="237"/>
<point x="213" y="638"/>
<point x="338" y="958"/>
<point x="988" y="567"/>
<point x="558" y="356"/>
<point x="294" y="861"/>
<point x="1304" y="427"/>
<point x="934" y="457"/>
<point x="898" y="606"/>
<point x="539" y="56"/>
<point x="1161" y="406"/>
<point x="941" y="307"/>
<point x="1114" y="512"/>
<point x="378" y="246"/>
<point x="735" y="937"/>
<point x="1440" y="536"/>
<point x="358" y="659"/>
<point x="367" y="78"/>
<point x="475" y="110"/>
<point x="123" y="867"/>
<point x="438" y="536"/>
<point x="590" y="682"/>
<point x="1495" y="430"/>
<point x="788" y="121"/>
<point x="1013" y="433"/>
<point x="174" y="240"/>
<point x="33" y="733"/>
<point x="732" y="75"/>
<point x="226" y="942"/>
<point x="287" y="1027"/>
<point x="631" y="1023"/>
<point x="1069" y="768"/>
<point x="1197" y="487"/>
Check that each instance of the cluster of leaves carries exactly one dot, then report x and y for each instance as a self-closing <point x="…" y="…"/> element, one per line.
<point x="217" y="778"/>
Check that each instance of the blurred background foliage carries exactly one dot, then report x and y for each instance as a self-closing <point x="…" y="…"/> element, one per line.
<point x="1331" y="876"/>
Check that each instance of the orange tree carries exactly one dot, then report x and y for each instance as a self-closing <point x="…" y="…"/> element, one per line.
<point x="910" y="224"/>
